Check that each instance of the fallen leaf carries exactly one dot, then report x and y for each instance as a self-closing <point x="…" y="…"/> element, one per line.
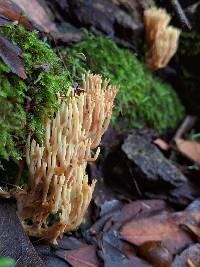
<point x="188" y="257"/>
<point x="71" y="242"/>
<point x="165" y="227"/>
<point x="135" y="209"/>
<point x="109" y="245"/>
<point x="53" y="261"/>
<point x="191" y="149"/>
<point x="115" y="219"/>
<point x="161" y="144"/>
<point x="42" y="18"/>
<point x="136" y="262"/>
<point x="111" y="252"/>
<point x="11" y="12"/>
<point x="37" y="13"/>
<point x="11" y="56"/>
<point x="81" y="257"/>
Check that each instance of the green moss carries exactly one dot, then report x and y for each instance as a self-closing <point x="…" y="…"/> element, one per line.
<point x="142" y="99"/>
<point x="24" y="104"/>
<point x="189" y="44"/>
<point x="12" y="114"/>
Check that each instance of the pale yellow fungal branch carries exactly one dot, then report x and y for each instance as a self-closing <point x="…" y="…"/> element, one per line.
<point x="58" y="194"/>
<point x="99" y="98"/>
<point x="162" y="39"/>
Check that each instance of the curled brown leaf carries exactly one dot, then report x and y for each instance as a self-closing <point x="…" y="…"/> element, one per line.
<point x="11" y="55"/>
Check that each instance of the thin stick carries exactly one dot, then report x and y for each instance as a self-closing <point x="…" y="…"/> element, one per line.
<point x="180" y="13"/>
<point x="59" y="52"/>
<point x="187" y="124"/>
<point x="190" y="263"/>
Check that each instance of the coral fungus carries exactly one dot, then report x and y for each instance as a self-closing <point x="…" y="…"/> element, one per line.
<point x="162" y="39"/>
<point x="58" y="193"/>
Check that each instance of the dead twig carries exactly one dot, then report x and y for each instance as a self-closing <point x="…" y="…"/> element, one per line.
<point x="186" y="126"/>
<point x="134" y="180"/>
<point x="190" y="263"/>
<point x="180" y="13"/>
<point x="59" y="52"/>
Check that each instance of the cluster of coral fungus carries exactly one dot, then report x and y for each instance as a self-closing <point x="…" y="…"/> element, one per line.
<point x="162" y="39"/>
<point x="58" y="193"/>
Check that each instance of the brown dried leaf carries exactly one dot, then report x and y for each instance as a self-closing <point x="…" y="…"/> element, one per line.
<point x="11" y="12"/>
<point x="37" y="13"/>
<point x="11" y="56"/>
<point x="136" y="262"/>
<point x="82" y="257"/>
<point x="115" y="219"/>
<point x="42" y="18"/>
<point x="164" y="227"/>
<point x="190" y="148"/>
<point x="135" y="209"/>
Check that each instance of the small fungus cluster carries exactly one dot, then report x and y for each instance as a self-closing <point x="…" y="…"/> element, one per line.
<point x="162" y="39"/>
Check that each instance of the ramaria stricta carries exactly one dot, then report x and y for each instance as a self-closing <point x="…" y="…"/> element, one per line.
<point x="162" y="39"/>
<point x="58" y="194"/>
